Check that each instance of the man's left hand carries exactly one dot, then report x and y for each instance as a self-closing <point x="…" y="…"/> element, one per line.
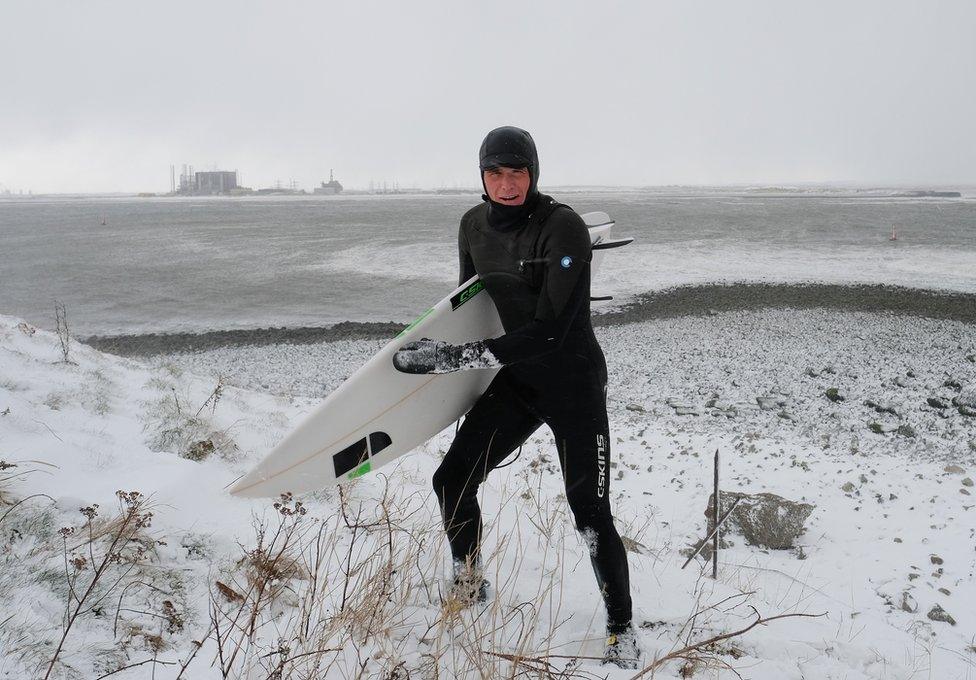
<point x="435" y="356"/>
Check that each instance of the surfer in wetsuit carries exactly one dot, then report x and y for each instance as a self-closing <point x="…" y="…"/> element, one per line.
<point x="533" y="256"/>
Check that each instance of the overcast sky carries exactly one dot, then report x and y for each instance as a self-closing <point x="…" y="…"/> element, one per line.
<point x="105" y="95"/>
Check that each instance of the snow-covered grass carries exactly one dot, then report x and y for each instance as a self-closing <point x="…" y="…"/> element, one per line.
<point x="353" y="584"/>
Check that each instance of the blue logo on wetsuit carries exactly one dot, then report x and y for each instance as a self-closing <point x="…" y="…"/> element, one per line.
<point x="566" y="262"/>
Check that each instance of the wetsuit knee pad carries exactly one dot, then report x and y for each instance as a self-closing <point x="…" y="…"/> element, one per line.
<point x="595" y="517"/>
<point x="453" y="481"/>
<point x="443" y="480"/>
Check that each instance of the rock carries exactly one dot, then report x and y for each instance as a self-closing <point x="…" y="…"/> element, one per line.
<point x="834" y="394"/>
<point x="687" y="411"/>
<point x="635" y="407"/>
<point x="882" y="428"/>
<point x="908" y="603"/>
<point x="881" y="407"/>
<point x="200" y="450"/>
<point x="900" y="381"/>
<point x="935" y="559"/>
<point x="906" y="431"/>
<point x="935" y="402"/>
<point x="770" y="403"/>
<point x="630" y="545"/>
<point x="954" y="470"/>
<point x="765" y="520"/>
<point x="812" y="373"/>
<point x="848" y="487"/>
<point x="937" y="613"/>
<point x="967" y="482"/>
<point x="721" y="407"/>
<point x="966" y="401"/>
<point x="964" y="492"/>
<point x="945" y="591"/>
<point x="952" y="384"/>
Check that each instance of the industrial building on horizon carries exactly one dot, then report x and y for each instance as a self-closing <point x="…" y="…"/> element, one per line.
<point x="207" y="183"/>
<point x="227" y="183"/>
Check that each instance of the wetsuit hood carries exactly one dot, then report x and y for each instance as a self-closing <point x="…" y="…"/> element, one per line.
<point x="509" y="147"/>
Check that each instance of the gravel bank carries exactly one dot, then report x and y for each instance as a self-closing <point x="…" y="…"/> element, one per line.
<point x="694" y="300"/>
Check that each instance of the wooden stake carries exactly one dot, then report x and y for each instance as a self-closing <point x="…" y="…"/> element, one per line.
<point x="715" y="522"/>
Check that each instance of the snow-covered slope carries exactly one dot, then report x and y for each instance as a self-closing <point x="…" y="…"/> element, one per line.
<point x="350" y="586"/>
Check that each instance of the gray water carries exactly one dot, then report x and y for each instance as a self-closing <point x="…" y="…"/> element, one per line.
<point x="166" y="264"/>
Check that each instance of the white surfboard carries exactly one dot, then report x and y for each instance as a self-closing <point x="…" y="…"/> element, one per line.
<point x="378" y="413"/>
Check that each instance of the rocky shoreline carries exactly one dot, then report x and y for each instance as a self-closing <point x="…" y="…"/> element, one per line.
<point x="692" y="300"/>
<point x="699" y="300"/>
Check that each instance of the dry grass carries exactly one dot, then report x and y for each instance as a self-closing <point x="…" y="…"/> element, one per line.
<point x="358" y="594"/>
<point x="173" y="423"/>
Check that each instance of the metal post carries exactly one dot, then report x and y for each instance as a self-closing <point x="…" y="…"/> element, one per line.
<point x="715" y="521"/>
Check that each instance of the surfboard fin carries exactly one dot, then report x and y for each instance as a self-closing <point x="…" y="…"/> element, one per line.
<point x="612" y="243"/>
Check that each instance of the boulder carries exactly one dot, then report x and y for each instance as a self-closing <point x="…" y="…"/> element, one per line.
<point x="966" y="401"/>
<point x="765" y="519"/>
<point x="937" y="613"/>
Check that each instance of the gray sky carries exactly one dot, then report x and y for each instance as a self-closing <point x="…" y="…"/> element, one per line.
<point x="105" y="95"/>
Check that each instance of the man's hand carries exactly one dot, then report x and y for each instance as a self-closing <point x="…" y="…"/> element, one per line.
<point x="435" y="356"/>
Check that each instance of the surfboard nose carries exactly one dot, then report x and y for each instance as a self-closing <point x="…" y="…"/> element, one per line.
<point x="248" y="486"/>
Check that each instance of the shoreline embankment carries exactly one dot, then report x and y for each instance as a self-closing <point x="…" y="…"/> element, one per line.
<point x="691" y="300"/>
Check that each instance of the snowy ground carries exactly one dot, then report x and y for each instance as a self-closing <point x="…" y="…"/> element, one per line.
<point x="892" y="535"/>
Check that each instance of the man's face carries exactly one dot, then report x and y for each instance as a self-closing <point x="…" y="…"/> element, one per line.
<point x="507" y="186"/>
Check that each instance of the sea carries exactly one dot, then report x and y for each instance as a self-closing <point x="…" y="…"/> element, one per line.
<point x="130" y="266"/>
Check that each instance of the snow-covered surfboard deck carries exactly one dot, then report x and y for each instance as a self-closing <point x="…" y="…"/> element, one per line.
<point x="378" y="413"/>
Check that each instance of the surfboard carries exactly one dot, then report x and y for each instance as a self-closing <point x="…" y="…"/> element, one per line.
<point x="378" y="414"/>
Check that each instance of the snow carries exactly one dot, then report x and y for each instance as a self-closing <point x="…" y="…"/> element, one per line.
<point x="894" y="512"/>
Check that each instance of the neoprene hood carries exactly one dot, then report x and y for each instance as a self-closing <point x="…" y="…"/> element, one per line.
<point x="510" y="147"/>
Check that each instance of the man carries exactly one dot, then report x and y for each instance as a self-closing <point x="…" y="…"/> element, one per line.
<point x="533" y="255"/>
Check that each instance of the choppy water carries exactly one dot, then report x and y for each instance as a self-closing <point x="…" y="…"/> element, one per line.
<point x="202" y="264"/>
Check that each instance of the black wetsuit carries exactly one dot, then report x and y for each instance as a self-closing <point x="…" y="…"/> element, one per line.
<point x="538" y="275"/>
